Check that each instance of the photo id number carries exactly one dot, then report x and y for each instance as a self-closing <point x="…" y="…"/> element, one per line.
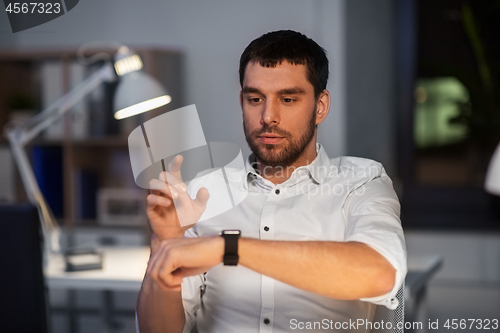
<point x="469" y="324"/>
<point x="34" y="7"/>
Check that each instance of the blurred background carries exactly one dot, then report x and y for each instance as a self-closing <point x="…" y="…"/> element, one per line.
<point x="415" y="85"/>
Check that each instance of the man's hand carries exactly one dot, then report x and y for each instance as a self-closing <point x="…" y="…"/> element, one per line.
<point x="170" y="209"/>
<point x="175" y="259"/>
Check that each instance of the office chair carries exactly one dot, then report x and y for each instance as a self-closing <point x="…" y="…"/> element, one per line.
<point x="23" y="307"/>
<point x="396" y="317"/>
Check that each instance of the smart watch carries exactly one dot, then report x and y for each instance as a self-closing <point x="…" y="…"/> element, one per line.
<point x="230" y="246"/>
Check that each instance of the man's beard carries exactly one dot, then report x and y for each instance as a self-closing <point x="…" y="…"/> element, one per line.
<point x="280" y="155"/>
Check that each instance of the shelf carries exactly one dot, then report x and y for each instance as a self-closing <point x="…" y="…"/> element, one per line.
<point x="41" y="54"/>
<point x="103" y="141"/>
<point x="99" y="159"/>
<point x="94" y="224"/>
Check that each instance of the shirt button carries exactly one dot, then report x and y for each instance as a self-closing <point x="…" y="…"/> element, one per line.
<point x="266" y="228"/>
<point x="277" y="191"/>
<point x="266" y="321"/>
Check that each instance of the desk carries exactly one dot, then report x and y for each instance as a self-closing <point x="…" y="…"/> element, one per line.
<point x="123" y="270"/>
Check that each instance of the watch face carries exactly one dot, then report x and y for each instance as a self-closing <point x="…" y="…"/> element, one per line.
<point x="231" y="232"/>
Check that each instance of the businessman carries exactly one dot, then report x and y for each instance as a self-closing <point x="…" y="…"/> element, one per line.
<point x="317" y="240"/>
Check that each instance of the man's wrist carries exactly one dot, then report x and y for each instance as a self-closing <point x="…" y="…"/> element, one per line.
<point x="231" y="239"/>
<point x="155" y="241"/>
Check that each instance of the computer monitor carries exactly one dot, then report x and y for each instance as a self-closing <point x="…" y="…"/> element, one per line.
<point x="23" y="296"/>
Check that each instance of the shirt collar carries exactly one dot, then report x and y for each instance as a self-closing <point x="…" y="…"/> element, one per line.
<point x="319" y="169"/>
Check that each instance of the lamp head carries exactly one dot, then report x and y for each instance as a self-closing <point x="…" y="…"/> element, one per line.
<point x="492" y="182"/>
<point x="137" y="92"/>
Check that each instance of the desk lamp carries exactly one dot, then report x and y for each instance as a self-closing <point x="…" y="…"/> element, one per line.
<point x="137" y="92"/>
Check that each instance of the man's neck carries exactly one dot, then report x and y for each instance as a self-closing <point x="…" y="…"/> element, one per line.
<point x="280" y="174"/>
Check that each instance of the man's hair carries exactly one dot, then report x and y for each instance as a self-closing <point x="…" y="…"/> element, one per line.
<point x="273" y="48"/>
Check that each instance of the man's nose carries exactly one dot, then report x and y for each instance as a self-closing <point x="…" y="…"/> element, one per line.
<point x="271" y="114"/>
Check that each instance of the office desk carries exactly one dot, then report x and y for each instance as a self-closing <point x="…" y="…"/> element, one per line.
<point x="123" y="270"/>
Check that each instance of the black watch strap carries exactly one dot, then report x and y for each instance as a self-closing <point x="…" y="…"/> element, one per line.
<point x="230" y="246"/>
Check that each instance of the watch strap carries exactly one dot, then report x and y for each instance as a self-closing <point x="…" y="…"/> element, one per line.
<point x="230" y="247"/>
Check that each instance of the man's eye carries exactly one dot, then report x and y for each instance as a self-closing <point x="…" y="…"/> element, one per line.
<point x="254" y="100"/>
<point x="287" y="100"/>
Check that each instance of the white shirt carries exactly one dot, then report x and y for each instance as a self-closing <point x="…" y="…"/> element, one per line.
<point x="342" y="199"/>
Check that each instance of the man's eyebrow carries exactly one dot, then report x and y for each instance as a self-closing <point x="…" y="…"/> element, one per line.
<point x="292" y="91"/>
<point x="286" y="91"/>
<point x="249" y="90"/>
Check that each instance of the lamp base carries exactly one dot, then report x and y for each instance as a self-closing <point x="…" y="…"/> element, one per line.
<point x="82" y="260"/>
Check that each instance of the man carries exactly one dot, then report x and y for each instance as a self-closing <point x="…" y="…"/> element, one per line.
<point x="320" y="239"/>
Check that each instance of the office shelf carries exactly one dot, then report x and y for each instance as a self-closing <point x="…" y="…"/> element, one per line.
<point x="103" y="155"/>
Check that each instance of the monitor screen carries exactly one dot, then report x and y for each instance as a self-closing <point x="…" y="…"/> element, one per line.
<point x="23" y="298"/>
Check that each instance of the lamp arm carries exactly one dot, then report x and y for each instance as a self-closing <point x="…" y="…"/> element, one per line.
<point x="50" y="228"/>
<point x="21" y="135"/>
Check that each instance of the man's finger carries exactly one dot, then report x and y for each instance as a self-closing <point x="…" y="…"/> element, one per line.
<point x="168" y="177"/>
<point x="167" y="189"/>
<point x="174" y="192"/>
<point x="167" y="272"/>
<point x="157" y="200"/>
<point x="202" y="197"/>
<point x="154" y="266"/>
<point x="158" y="185"/>
<point x="181" y="188"/>
<point x="192" y="271"/>
<point x="174" y="167"/>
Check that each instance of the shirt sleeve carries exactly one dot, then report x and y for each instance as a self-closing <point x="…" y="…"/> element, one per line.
<point x="372" y="213"/>
<point x="192" y="291"/>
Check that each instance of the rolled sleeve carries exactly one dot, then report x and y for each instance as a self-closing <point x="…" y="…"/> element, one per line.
<point x="191" y="299"/>
<point x="192" y="291"/>
<point x="373" y="219"/>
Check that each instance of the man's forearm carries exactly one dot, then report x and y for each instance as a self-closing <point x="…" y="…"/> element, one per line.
<point x="159" y="310"/>
<point x="334" y="269"/>
<point x="341" y="270"/>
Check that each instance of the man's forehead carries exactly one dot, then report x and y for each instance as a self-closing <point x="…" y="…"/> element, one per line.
<point x="255" y="64"/>
<point x="289" y="74"/>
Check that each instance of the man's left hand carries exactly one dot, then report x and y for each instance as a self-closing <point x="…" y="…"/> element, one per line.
<point x="177" y="258"/>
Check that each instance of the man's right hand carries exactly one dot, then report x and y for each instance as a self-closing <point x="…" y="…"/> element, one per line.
<point x="170" y="209"/>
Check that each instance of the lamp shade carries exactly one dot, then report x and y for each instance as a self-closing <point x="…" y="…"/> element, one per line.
<point x="492" y="183"/>
<point x="138" y="92"/>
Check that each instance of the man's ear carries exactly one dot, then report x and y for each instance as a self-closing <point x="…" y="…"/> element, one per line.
<point x="322" y="106"/>
<point x="241" y="99"/>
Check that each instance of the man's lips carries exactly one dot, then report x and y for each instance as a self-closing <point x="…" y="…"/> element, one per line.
<point x="270" y="139"/>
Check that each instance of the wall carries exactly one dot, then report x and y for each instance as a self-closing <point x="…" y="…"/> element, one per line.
<point x="370" y="111"/>
<point x="7" y="38"/>
<point x="212" y="35"/>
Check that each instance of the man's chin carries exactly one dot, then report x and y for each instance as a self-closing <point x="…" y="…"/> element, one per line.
<point x="270" y="151"/>
<point x="271" y="157"/>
